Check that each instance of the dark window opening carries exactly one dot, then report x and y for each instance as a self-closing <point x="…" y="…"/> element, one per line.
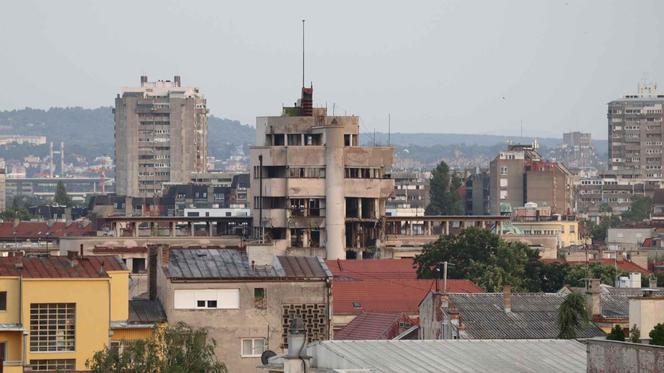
<point x="138" y="265"/>
<point x="259" y="298"/>
<point x="278" y="139"/>
<point x="346" y="140"/>
<point x="200" y="303"/>
<point x="212" y="304"/>
<point x="3" y="300"/>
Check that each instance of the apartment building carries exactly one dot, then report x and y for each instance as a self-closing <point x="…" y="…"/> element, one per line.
<point x="313" y="187"/>
<point x="411" y="194"/>
<point x="636" y="134"/>
<point x="57" y="311"/>
<point x="246" y="300"/>
<point x="160" y="136"/>
<point x="520" y="175"/>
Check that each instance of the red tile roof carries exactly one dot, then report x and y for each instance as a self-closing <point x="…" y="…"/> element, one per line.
<point x="623" y="265"/>
<point x="44" y="230"/>
<point x="60" y="266"/>
<point x="372" y="269"/>
<point x="389" y="295"/>
<point x="372" y="326"/>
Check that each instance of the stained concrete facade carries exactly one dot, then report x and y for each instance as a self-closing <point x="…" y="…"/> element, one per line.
<point x="636" y="134"/>
<point x="322" y="193"/>
<point x="160" y="136"/>
<point x="616" y="357"/>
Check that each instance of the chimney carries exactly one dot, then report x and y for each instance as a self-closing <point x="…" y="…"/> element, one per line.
<point x="652" y="282"/>
<point x="153" y="258"/>
<point x="81" y="252"/>
<point x="176" y="80"/>
<point x="260" y="255"/>
<point x="507" y="298"/>
<point x="165" y="254"/>
<point x="144" y="79"/>
<point x="594" y="303"/>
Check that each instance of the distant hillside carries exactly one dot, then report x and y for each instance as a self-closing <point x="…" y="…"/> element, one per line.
<point x="91" y="130"/>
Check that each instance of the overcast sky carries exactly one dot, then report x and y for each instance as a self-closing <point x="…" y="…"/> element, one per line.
<point x="480" y="67"/>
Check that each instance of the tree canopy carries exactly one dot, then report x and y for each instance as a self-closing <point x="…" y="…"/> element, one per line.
<point x="572" y="315"/>
<point x="174" y="349"/>
<point x="617" y="334"/>
<point x="657" y="335"/>
<point x="639" y="209"/>
<point x="445" y="199"/>
<point x="61" y="196"/>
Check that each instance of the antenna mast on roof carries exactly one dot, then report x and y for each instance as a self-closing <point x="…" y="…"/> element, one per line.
<point x="303" y="53"/>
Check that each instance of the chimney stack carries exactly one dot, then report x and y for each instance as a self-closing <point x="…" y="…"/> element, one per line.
<point x="153" y="258"/>
<point x="176" y="80"/>
<point x="165" y="254"/>
<point x="594" y="303"/>
<point x="507" y="298"/>
<point x="144" y="79"/>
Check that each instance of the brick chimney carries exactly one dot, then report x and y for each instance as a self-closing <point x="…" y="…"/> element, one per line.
<point x="165" y="254"/>
<point x="593" y="298"/>
<point x="507" y="298"/>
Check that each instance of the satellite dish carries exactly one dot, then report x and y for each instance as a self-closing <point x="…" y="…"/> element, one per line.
<point x="265" y="356"/>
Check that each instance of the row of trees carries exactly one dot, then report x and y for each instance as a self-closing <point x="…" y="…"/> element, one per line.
<point x="18" y="210"/>
<point x="491" y="262"/>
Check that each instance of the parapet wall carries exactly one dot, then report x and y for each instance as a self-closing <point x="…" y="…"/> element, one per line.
<point x="611" y="356"/>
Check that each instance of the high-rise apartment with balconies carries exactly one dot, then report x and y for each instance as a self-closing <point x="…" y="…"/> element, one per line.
<point x="160" y="136"/>
<point x="636" y="134"/>
<point x="315" y="190"/>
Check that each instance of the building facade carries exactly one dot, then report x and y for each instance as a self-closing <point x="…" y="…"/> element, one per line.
<point x="56" y="312"/>
<point x="520" y="175"/>
<point x="160" y="136"/>
<point x="322" y="194"/>
<point x="636" y="134"/>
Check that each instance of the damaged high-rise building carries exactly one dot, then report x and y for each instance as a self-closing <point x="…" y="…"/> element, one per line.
<point x="315" y="190"/>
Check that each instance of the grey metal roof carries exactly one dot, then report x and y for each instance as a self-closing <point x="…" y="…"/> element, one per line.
<point x="398" y="356"/>
<point x="533" y="316"/>
<point x="145" y="311"/>
<point x="615" y="301"/>
<point x="224" y="263"/>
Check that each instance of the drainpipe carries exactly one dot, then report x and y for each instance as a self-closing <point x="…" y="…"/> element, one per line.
<point x="19" y="267"/>
<point x="260" y="196"/>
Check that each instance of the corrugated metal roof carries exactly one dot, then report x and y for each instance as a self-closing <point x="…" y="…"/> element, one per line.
<point x="61" y="266"/>
<point x="145" y="311"/>
<point x="225" y="263"/>
<point x="398" y="356"/>
<point x="615" y="301"/>
<point x="371" y="326"/>
<point x="532" y="316"/>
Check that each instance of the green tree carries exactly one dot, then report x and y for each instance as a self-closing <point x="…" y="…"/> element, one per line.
<point x="657" y="335"/>
<point x="617" y="334"/>
<point x="635" y="334"/>
<point x="444" y="198"/>
<point x="604" y="207"/>
<point x="61" y="196"/>
<point x="481" y="256"/>
<point x="639" y="209"/>
<point x="15" y="214"/>
<point x="599" y="231"/>
<point x="577" y="274"/>
<point x="572" y="315"/>
<point x="175" y="349"/>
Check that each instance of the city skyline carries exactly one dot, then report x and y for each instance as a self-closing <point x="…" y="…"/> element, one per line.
<point x="487" y="76"/>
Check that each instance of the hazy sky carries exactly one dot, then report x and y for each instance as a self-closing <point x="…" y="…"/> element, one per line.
<point x="437" y="66"/>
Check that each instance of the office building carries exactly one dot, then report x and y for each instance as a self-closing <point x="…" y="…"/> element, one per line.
<point x="635" y="134"/>
<point x="322" y="193"/>
<point x="520" y="175"/>
<point x="160" y="136"/>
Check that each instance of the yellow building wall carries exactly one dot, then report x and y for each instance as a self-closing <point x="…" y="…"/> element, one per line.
<point x="11" y="286"/>
<point x="119" y="295"/>
<point x="91" y="297"/>
<point x="13" y="345"/>
<point x="131" y="334"/>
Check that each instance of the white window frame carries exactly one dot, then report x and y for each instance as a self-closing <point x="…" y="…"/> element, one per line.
<point x="187" y="299"/>
<point x="253" y="347"/>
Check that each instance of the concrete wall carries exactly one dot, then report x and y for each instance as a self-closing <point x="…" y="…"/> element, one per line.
<point x="229" y="326"/>
<point x="618" y="357"/>
<point x="89" y="243"/>
<point x="646" y="312"/>
<point x="431" y="316"/>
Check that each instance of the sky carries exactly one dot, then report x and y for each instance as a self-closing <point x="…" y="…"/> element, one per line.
<point x="477" y="67"/>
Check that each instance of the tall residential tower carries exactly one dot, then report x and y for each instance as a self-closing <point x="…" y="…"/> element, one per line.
<point x="636" y="134"/>
<point x="160" y="136"/>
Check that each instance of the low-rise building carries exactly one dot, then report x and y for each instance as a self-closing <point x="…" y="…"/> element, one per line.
<point x="244" y="299"/>
<point x="57" y="311"/>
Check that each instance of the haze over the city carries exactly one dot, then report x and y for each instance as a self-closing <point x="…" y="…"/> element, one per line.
<point x="480" y="67"/>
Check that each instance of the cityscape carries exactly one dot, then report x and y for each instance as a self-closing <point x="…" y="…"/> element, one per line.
<point x="187" y="214"/>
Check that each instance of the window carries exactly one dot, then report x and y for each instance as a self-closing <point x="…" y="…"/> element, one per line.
<point x="138" y="265"/>
<point x="503" y="170"/>
<point x="207" y="299"/>
<point x="253" y="347"/>
<point x="3" y="351"/>
<point x="53" y="365"/>
<point x="3" y="301"/>
<point x="503" y="194"/>
<point x="503" y="182"/>
<point x="259" y="298"/>
<point x="52" y="327"/>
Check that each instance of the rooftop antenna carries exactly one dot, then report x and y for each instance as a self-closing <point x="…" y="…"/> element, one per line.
<point x="389" y="128"/>
<point x="303" y="53"/>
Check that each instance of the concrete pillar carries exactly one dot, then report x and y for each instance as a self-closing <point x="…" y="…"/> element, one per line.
<point x="483" y="224"/>
<point x="334" y="192"/>
<point x="446" y="228"/>
<point x="428" y="227"/>
<point x="116" y="229"/>
<point x="172" y="229"/>
<point x="135" y="225"/>
<point x="209" y="228"/>
<point x="191" y="229"/>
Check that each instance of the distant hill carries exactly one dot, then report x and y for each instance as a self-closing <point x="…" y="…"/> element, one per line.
<point x="91" y="130"/>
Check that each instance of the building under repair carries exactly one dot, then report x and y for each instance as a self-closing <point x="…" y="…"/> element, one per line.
<point x="315" y="190"/>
